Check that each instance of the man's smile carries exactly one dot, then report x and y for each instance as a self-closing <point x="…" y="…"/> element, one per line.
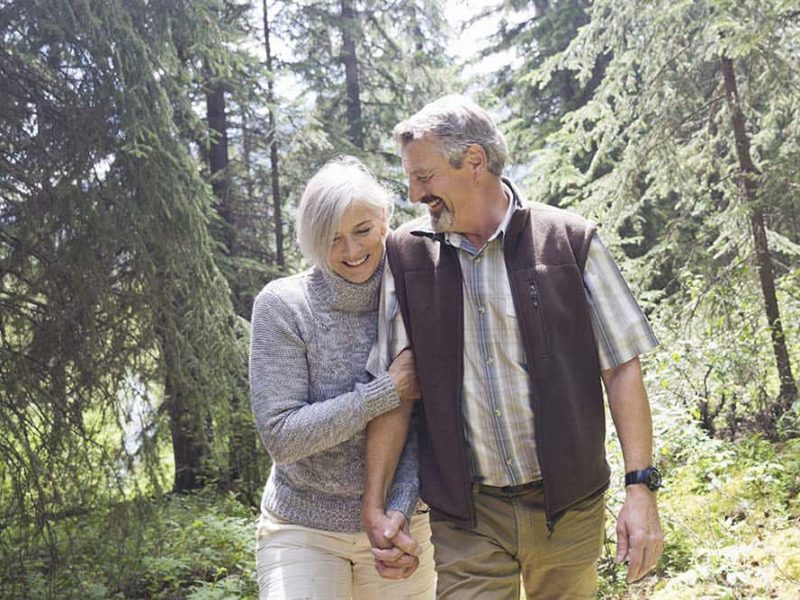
<point x="433" y="202"/>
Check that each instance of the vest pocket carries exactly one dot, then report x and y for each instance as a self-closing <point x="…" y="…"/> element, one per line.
<point x="540" y="329"/>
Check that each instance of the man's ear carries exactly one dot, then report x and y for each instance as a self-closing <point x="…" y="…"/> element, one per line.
<point x="475" y="160"/>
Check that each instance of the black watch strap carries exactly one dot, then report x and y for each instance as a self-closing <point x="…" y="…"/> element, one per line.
<point x="648" y="476"/>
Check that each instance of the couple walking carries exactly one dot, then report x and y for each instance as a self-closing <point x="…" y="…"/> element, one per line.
<point x="458" y="359"/>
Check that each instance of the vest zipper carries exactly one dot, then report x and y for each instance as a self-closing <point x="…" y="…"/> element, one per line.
<point x="535" y="299"/>
<point x="534" y="293"/>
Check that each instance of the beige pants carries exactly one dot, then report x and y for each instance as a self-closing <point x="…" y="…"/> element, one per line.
<point x="510" y="539"/>
<point x="296" y="562"/>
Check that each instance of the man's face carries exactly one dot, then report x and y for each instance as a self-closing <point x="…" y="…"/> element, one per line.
<point x="432" y="180"/>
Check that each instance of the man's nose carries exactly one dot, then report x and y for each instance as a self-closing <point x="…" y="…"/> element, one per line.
<point x="414" y="192"/>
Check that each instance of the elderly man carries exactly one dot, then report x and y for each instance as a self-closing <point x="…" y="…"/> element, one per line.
<point x="516" y="312"/>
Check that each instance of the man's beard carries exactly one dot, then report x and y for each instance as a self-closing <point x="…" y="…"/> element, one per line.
<point x="443" y="221"/>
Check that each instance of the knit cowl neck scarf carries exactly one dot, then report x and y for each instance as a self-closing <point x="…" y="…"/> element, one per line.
<point x="344" y="295"/>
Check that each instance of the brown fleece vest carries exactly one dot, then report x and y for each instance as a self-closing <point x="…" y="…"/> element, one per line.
<point x="545" y="252"/>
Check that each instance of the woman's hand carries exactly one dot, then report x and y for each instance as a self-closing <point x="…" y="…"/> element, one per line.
<point x="403" y="372"/>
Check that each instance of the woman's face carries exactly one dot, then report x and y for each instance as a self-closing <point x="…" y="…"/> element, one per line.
<point x="358" y="244"/>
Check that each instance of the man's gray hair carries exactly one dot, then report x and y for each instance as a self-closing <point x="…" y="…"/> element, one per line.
<point x="338" y="185"/>
<point x="456" y="123"/>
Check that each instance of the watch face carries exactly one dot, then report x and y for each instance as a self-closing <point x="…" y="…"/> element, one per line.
<point x="648" y="476"/>
<point x="654" y="479"/>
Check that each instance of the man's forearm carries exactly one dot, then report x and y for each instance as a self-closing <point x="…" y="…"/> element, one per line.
<point x="639" y="535"/>
<point x="630" y="410"/>
<point x="386" y="436"/>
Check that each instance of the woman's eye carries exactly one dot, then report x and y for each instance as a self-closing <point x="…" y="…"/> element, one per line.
<point x="364" y="231"/>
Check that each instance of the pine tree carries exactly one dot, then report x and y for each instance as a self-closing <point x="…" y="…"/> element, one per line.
<point x="110" y="287"/>
<point x="658" y="155"/>
<point x="535" y="30"/>
<point x="366" y="65"/>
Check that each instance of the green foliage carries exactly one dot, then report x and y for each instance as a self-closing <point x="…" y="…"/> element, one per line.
<point x="729" y="511"/>
<point x="718" y="366"/>
<point x="400" y="65"/>
<point x="728" y="514"/>
<point x="109" y="280"/>
<point x="652" y="157"/>
<point x="199" y="545"/>
<point x="534" y="31"/>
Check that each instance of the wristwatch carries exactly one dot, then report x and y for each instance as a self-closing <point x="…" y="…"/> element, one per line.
<point x="648" y="476"/>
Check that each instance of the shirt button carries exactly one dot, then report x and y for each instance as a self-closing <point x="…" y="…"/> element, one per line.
<point x="481" y="309"/>
<point x="477" y="260"/>
<point x="497" y="412"/>
<point x="490" y="361"/>
<point x="509" y="461"/>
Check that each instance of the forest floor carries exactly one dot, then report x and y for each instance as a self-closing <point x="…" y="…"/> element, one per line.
<point x="730" y="512"/>
<point x="731" y="519"/>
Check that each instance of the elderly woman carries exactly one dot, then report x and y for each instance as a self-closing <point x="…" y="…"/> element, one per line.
<point x="313" y="398"/>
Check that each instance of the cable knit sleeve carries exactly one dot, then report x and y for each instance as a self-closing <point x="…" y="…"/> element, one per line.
<point x="404" y="493"/>
<point x="290" y="425"/>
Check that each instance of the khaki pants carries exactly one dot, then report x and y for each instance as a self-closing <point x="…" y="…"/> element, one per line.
<point x="296" y="562"/>
<point x="510" y="539"/>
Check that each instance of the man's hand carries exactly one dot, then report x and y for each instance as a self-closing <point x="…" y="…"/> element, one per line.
<point x="403" y="372"/>
<point x="639" y="536"/>
<point x="396" y="552"/>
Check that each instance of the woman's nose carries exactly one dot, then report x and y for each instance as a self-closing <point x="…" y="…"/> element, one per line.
<point x="350" y="246"/>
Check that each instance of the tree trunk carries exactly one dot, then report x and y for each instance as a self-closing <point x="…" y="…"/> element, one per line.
<point x="218" y="160"/>
<point x="247" y="162"/>
<point x="273" y="147"/>
<point x="188" y="452"/>
<point x="220" y="183"/>
<point x="355" y="126"/>
<point x="788" y="392"/>
<point x="189" y="445"/>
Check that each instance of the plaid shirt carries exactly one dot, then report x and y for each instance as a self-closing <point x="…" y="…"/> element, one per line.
<point x="498" y="417"/>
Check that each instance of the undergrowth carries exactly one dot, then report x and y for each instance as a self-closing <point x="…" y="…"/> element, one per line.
<point x="198" y="546"/>
<point x="730" y="512"/>
<point x="731" y="520"/>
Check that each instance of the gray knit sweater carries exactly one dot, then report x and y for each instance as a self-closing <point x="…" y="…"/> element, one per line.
<point x="312" y="399"/>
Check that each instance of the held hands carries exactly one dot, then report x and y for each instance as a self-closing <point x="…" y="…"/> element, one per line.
<point x="403" y="372"/>
<point x="639" y="536"/>
<point x="396" y="552"/>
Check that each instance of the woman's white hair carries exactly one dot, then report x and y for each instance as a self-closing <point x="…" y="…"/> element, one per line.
<point x="338" y="185"/>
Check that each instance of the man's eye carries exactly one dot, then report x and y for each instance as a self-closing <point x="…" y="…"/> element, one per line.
<point x="423" y="178"/>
